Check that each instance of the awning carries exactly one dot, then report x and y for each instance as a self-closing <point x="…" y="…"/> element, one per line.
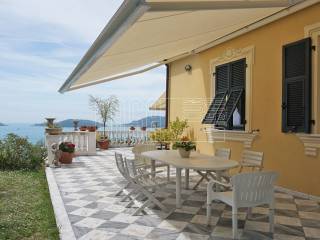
<point x="160" y="104"/>
<point x="144" y="34"/>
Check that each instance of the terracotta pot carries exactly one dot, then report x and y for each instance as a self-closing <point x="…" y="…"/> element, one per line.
<point x="103" y="144"/>
<point x="54" y="131"/>
<point x="83" y="128"/>
<point x="183" y="153"/>
<point x="143" y="128"/>
<point x="132" y="128"/>
<point x="66" y="158"/>
<point x="92" y="128"/>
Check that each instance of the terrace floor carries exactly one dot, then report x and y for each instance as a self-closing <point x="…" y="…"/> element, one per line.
<point x="88" y="186"/>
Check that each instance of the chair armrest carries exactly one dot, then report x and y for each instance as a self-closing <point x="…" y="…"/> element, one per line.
<point x="213" y="182"/>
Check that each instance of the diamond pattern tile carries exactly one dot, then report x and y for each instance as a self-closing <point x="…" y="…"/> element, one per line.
<point x="88" y="188"/>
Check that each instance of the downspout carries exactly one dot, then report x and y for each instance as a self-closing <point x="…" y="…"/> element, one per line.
<point x="167" y="94"/>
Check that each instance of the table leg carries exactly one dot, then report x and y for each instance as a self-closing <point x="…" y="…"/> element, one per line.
<point x="153" y="168"/>
<point x="187" y="178"/>
<point x="178" y="188"/>
<point x="218" y="176"/>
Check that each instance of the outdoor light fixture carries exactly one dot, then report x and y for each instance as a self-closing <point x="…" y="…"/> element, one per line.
<point x="188" y="68"/>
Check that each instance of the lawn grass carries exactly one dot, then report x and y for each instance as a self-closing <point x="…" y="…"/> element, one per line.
<point x="25" y="207"/>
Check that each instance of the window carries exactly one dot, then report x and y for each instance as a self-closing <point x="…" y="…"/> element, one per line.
<point x="296" y="102"/>
<point x="227" y="110"/>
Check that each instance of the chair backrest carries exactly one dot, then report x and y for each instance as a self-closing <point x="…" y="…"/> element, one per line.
<point x="131" y="167"/>
<point x="223" y="153"/>
<point x="252" y="159"/>
<point x="140" y="148"/>
<point x="254" y="188"/>
<point x="121" y="165"/>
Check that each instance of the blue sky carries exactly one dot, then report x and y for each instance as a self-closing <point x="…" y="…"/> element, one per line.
<point x="41" y="41"/>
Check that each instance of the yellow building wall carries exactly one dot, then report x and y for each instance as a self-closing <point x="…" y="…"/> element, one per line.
<point x="284" y="153"/>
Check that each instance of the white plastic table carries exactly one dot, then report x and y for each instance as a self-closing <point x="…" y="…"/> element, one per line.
<point x="196" y="161"/>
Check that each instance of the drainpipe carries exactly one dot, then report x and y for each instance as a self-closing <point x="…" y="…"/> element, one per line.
<point x="167" y="93"/>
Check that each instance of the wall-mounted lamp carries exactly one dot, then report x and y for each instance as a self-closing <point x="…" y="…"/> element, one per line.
<point x="188" y="68"/>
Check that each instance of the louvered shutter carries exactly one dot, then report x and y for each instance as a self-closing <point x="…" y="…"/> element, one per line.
<point x="296" y="102"/>
<point x="219" y="101"/>
<point x="236" y="96"/>
<point x="231" y="104"/>
<point x="216" y="105"/>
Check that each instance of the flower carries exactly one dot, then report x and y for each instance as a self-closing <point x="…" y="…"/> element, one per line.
<point x="67" y="147"/>
<point x="185" y="143"/>
<point x="185" y="139"/>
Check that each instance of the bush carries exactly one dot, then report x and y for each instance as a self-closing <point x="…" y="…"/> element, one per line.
<point x="17" y="153"/>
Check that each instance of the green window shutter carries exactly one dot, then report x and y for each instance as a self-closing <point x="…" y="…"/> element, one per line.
<point x="231" y="104"/>
<point x="229" y="93"/>
<point x="222" y="78"/>
<point x="219" y="101"/>
<point x="238" y="74"/>
<point x="296" y="91"/>
<point x="215" y="107"/>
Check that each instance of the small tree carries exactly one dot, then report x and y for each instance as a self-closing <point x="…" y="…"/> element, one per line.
<point x="177" y="127"/>
<point x="105" y="108"/>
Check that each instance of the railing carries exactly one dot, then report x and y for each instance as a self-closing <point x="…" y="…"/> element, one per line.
<point x="85" y="142"/>
<point x="121" y="138"/>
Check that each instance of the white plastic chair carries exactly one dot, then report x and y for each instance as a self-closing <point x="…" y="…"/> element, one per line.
<point x="142" y="161"/>
<point x="223" y="153"/>
<point x="248" y="190"/>
<point x="251" y="159"/>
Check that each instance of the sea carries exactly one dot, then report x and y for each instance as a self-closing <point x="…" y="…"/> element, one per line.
<point x="35" y="134"/>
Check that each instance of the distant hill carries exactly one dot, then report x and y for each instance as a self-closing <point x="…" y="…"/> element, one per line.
<point x="149" y="122"/>
<point x="69" y="123"/>
<point x="1" y="125"/>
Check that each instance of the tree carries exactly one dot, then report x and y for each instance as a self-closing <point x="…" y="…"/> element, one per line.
<point x="177" y="127"/>
<point x="105" y="108"/>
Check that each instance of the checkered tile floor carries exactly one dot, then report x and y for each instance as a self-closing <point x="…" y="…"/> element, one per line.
<point x="89" y="184"/>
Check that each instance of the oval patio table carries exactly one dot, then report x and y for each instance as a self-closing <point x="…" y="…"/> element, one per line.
<point x="197" y="161"/>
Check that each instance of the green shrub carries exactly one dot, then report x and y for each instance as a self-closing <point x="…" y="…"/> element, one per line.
<point x="17" y="153"/>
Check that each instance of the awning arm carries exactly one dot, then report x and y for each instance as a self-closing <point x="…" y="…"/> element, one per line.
<point x="210" y="5"/>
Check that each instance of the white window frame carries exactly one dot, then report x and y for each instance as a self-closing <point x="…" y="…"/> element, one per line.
<point x="229" y="56"/>
<point x="313" y="31"/>
<point x="311" y="141"/>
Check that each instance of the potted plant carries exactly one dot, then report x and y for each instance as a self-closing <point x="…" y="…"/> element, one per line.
<point x="132" y="128"/>
<point x="92" y="128"/>
<point x="106" y="109"/>
<point x="162" y="137"/>
<point x="83" y="128"/>
<point x="55" y="130"/>
<point x="75" y="124"/>
<point x="143" y="128"/>
<point x="67" y="152"/>
<point x="52" y="128"/>
<point x="184" y="146"/>
<point x="177" y="128"/>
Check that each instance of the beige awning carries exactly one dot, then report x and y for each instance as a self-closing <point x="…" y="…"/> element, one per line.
<point x="144" y="34"/>
<point x="160" y="104"/>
